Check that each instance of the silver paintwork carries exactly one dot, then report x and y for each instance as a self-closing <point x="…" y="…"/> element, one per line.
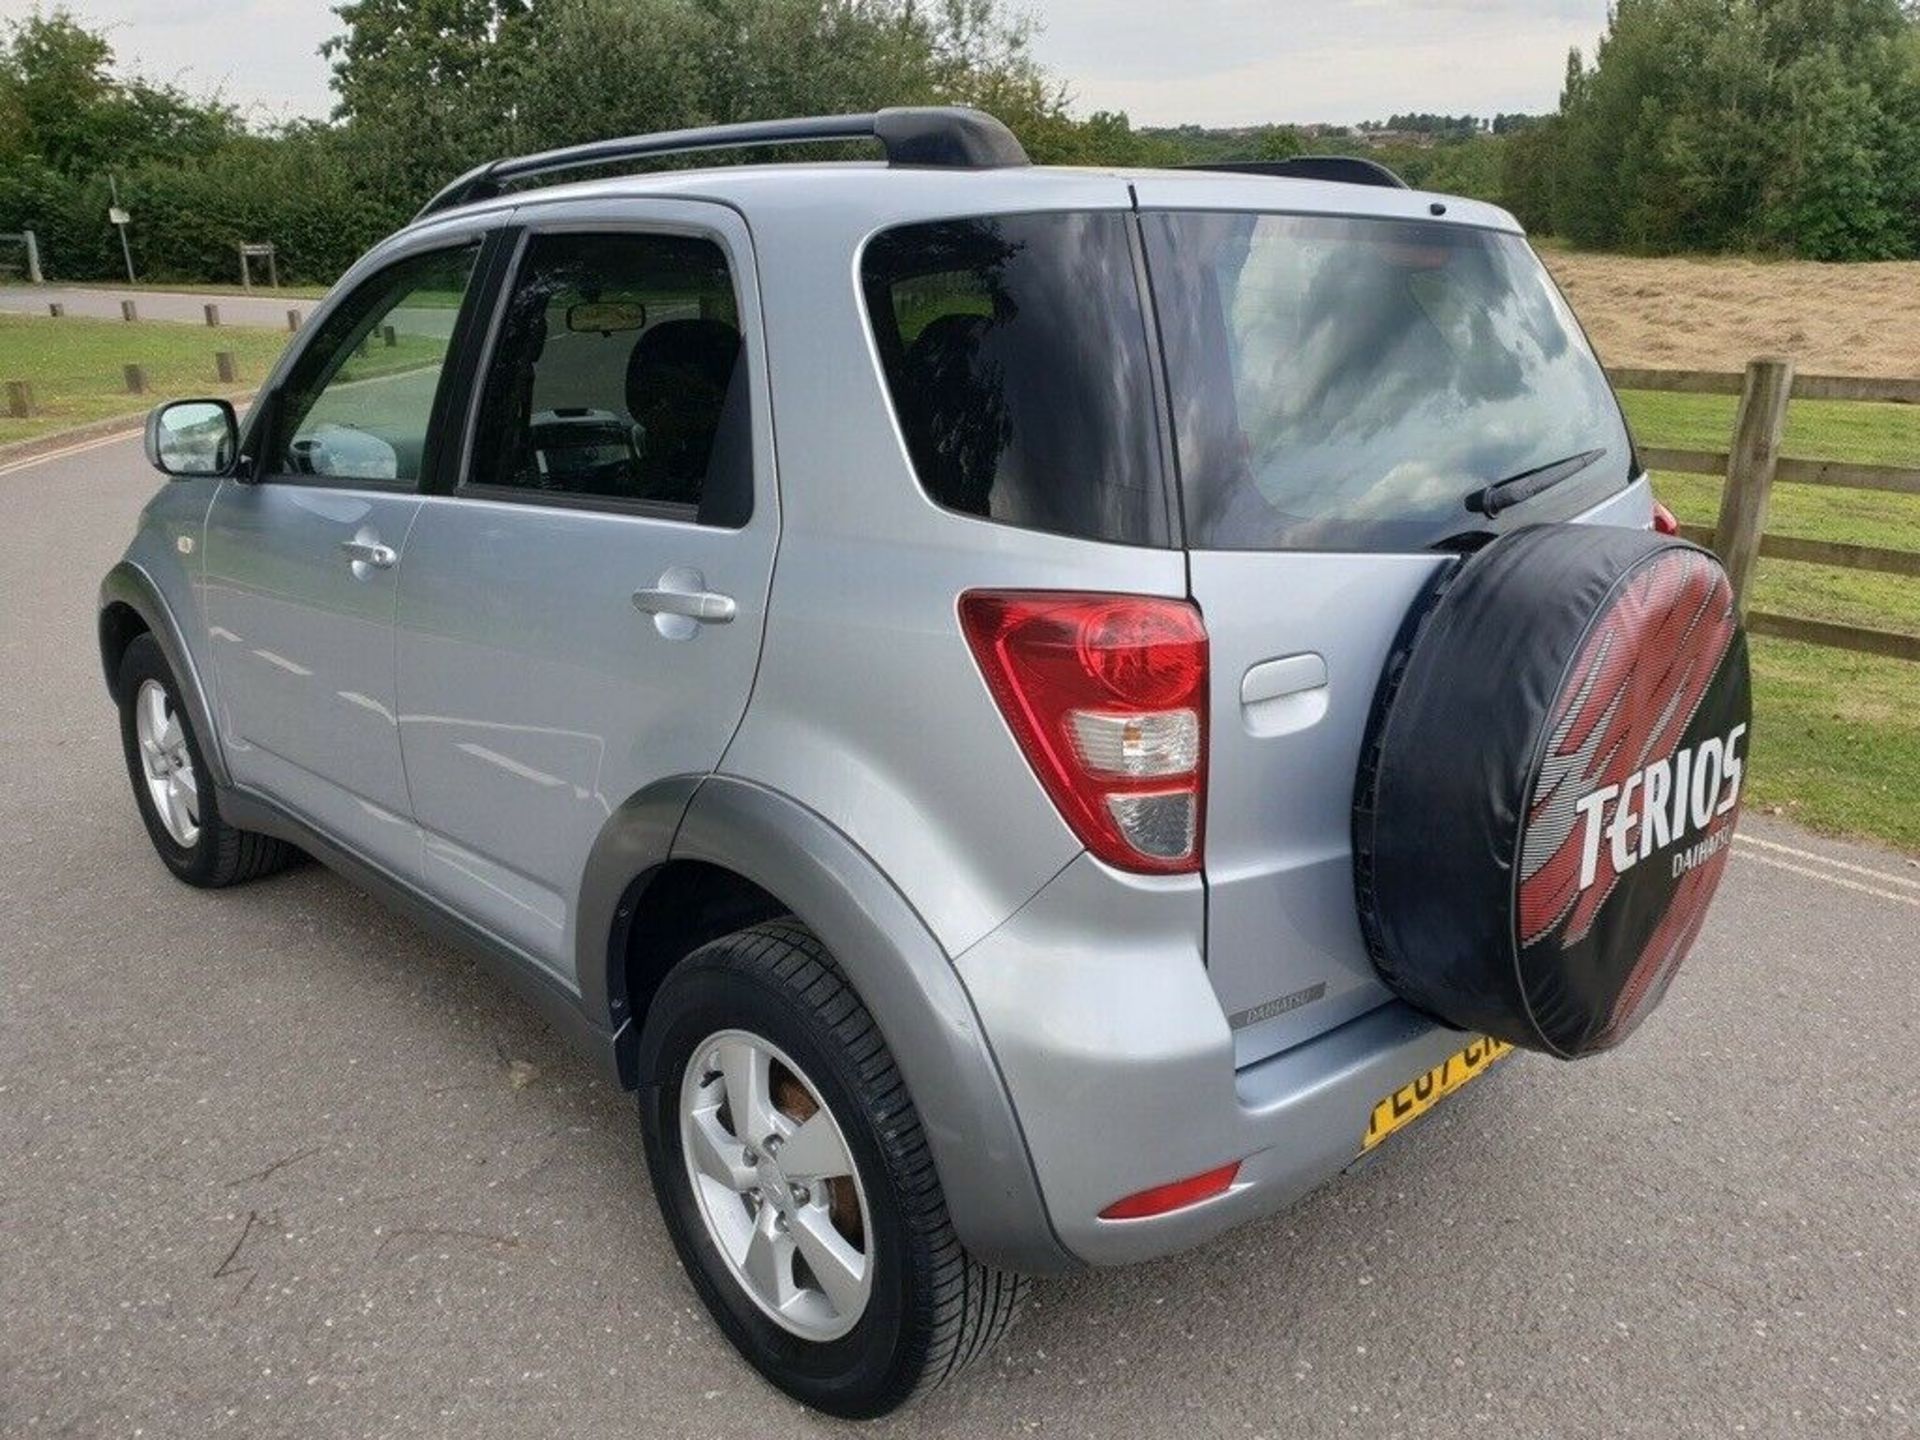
<point x="509" y="727"/>
<point x="763" y="1183"/>
<point x="172" y="784"/>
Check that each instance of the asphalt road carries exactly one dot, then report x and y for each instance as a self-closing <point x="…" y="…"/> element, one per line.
<point x="264" y="308"/>
<point x="278" y="1165"/>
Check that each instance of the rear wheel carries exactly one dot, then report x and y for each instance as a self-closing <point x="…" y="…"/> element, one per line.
<point x="796" y="1181"/>
<point x="170" y="782"/>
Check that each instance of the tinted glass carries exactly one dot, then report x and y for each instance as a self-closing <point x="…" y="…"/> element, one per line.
<point x="1345" y="384"/>
<point x="617" y="377"/>
<point x="1016" y="355"/>
<point x="359" y="403"/>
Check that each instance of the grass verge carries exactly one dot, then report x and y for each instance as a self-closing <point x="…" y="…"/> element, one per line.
<point x="74" y="366"/>
<point x="1837" y="735"/>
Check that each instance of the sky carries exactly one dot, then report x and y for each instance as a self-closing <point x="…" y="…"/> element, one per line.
<point x="1209" y="62"/>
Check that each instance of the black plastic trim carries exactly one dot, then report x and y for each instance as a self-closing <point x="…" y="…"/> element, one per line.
<point x="1339" y="169"/>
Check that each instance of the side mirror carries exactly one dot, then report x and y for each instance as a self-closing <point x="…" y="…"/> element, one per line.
<point x="192" y="437"/>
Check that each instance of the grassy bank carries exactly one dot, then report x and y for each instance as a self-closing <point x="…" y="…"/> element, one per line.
<point x="74" y="366"/>
<point x="1837" y="735"/>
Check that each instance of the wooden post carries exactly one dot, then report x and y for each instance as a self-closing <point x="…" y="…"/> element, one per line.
<point x="136" y="377"/>
<point x="293" y="319"/>
<point x="223" y="365"/>
<point x="1757" y="429"/>
<point x="56" y="309"/>
<point x="128" y="311"/>
<point x="213" y="316"/>
<point x="389" y="335"/>
<point x="19" y="399"/>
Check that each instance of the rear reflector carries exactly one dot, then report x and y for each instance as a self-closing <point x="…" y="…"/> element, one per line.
<point x="1107" y="697"/>
<point x="1165" y="1199"/>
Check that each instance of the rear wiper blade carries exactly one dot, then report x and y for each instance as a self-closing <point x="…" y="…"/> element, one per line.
<point x="1517" y="489"/>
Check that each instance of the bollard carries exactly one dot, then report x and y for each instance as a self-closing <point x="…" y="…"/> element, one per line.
<point x="56" y="309"/>
<point x="19" y="399"/>
<point x="213" y="316"/>
<point x="387" y="334"/>
<point x="136" y="378"/>
<point x="127" y="311"/>
<point x="293" y="320"/>
<point x="223" y="365"/>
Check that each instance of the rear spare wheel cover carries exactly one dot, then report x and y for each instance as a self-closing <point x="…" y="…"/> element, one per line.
<point x="1549" y="793"/>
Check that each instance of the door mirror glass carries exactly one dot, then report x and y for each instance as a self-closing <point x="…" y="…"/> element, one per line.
<point x="192" y="437"/>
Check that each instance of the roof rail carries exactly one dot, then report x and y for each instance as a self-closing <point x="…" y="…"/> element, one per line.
<point x="946" y="137"/>
<point x="1341" y="169"/>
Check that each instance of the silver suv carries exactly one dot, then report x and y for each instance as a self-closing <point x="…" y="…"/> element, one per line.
<point x="900" y="662"/>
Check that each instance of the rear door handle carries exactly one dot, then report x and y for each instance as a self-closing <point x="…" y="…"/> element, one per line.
<point x="371" y="552"/>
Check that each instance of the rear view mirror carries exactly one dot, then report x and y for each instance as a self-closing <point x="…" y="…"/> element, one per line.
<point x="192" y="437"/>
<point x="603" y="317"/>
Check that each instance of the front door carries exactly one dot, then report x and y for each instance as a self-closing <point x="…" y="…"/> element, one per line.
<point x="302" y="562"/>
<point x="581" y="615"/>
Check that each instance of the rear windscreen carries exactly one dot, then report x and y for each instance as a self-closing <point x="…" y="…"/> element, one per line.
<point x="1015" y="351"/>
<point x="1346" y="384"/>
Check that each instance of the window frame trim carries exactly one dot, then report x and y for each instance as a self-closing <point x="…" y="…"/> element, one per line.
<point x="523" y="227"/>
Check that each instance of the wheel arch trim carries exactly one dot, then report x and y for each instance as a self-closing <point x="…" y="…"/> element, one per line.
<point x="913" y="992"/>
<point x="129" y="585"/>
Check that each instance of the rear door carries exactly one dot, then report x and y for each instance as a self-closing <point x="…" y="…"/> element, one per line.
<point x="1338" y="387"/>
<point x="581" y="614"/>
<point x="302" y="562"/>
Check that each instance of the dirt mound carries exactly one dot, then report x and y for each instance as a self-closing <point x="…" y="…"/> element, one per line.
<point x="1717" y="314"/>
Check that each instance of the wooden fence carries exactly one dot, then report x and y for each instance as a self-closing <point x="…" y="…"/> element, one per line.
<point x="1754" y="465"/>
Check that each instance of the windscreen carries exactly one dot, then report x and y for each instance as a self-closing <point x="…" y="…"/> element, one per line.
<point x="1347" y="384"/>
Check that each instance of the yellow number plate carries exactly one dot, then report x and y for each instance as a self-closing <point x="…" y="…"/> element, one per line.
<point x="1411" y="1101"/>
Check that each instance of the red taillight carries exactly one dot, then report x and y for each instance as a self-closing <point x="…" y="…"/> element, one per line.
<point x="1664" y="520"/>
<point x="1107" y="695"/>
<point x="1165" y="1199"/>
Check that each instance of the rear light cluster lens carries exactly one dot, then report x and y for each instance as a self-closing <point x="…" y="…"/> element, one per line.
<point x="1665" y="522"/>
<point x="1107" y="695"/>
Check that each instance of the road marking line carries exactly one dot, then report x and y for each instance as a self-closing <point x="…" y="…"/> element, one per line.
<point x="82" y="447"/>
<point x="1844" y="883"/>
<point x="1871" y="874"/>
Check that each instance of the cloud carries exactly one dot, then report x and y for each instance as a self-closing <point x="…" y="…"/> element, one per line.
<point x="1248" y="61"/>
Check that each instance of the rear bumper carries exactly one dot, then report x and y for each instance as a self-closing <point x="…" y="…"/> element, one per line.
<point x="1120" y="1065"/>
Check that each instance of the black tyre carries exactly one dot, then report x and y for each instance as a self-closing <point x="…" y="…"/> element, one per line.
<point x="171" y="783"/>
<point x="822" y="1246"/>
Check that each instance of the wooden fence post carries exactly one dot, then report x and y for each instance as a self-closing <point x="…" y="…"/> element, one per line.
<point x="389" y="336"/>
<point x="19" y="399"/>
<point x="128" y="311"/>
<point x="213" y="315"/>
<point x="293" y="319"/>
<point x="1757" y="430"/>
<point x="136" y="378"/>
<point x="223" y="365"/>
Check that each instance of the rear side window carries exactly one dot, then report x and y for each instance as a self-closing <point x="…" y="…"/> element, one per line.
<point x="617" y="380"/>
<point x="1015" y="352"/>
<point x="1345" y="384"/>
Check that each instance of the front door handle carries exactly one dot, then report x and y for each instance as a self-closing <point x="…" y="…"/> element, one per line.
<point x="686" y="600"/>
<point x="370" y="552"/>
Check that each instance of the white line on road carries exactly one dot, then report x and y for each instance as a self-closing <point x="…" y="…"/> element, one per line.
<point x="1881" y="875"/>
<point x="1831" y="879"/>
<point x="83" y="446"/>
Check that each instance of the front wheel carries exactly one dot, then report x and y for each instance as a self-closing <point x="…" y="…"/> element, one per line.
<point x="796" y="1181"/>
<point x="171" y="785"/>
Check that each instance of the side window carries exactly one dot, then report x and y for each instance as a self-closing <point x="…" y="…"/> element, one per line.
<point x="617" y="378"/>
<point x="359" y="401"/>
<point x="1015" y="353"/>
